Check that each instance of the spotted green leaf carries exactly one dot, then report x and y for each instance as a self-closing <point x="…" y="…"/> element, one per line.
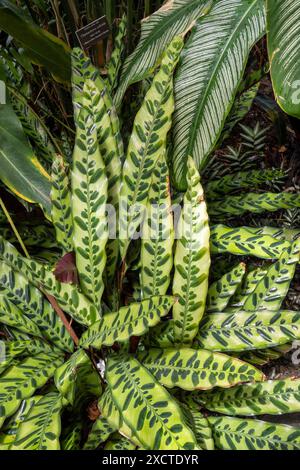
<point x="110" y="145"/>
<point x="118" y="442"/>
<point x="68" y="297"/>
<point x="72" y="435"/>
<point x="10" y="428"/>
<point x="200" y="426"/>
<point x="158" y="234"/>
<point x="61" y="205"/>
<point x="161" y="336"/>
<point x="242" y="179"/>
<point x="192" y="261"/>
<point x="147" y="143"/>
<point x="251" y="434"/>
<point x="34" y="305"/>
<point x="41" y="427"/>
<point x="115" y="62"/>
<point x="211" y="73"/>
<point x="242" y="331"/>
<point x="247" y="287"/>
<point x="190" y="369"/>
<point x="221" y="291"/>
<point x="69" y="377"/>
<point x="21" y="381"/>
<point x="253" y="202"/>
<point x="135" y="319"/>
<point x="274" y="397"/>
<point x="100" y="432"/>
<point x="243" y="241"/>
<point x="273" y="287"/>
<point x="11" y="315"/>
<point x="146" y="407"/>
<point x="89" y="196"/>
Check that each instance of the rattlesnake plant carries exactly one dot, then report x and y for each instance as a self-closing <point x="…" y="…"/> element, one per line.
<point x="129" y="351"/>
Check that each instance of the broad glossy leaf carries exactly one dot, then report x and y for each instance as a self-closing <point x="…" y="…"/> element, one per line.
<point x="147" y="143"/>
<point x="69" y="298"/>
<point x="158" y="234"/>
<point x="242" y="331"/>
<point x="42" y="47"/>
<point x="190" y="369"/>
<point x="146" y="407"/>
<point x="283" y="27"/>
<point x="274" y="397"/>
<point x="10" y="428"/>
<point x="174" y="18"/>
<point x="61" y="205"/>
<point x="211" y="70"/>
<point x="245" y="434"/>
<point x="41" y="428"/>
<point x="21" y="381"/>
<point x="192" y="261"/>
<point x="33" y="304"/>
<point x="221" y="291"/>
<point x="20" y="170"/>
<point x="133" y="320"/>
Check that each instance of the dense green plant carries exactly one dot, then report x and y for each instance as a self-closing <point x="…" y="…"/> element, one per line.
<point x="135" y="331"/>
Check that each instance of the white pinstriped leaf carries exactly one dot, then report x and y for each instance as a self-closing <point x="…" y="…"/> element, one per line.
<point x="173" y="18"/>
<point x="208" y="77"/>
<point x="283" y="25"/>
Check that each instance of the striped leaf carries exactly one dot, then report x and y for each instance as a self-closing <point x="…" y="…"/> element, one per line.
<point x="21" y="381"/>
<point x="273" y="397"/>
<point x="109" y="141"/>
<point x="211" y="70"/>
<point x="61" y="205"/>
<point x="145" y="404"/>
<point x="29" y="300"/>
<point x="158" y="234"/>
<point x="173" y="18"/>
<point x="115" y="62"/>
<point x="252" y="202"/>
<point x="41" y="427"/>
<point x="89" y="195"/>
<point x="133" y="320"/>
<point x="242" y="331"/>
<point x="191" y="370"/>
<point x="68" y="297"/>
<point x="71" y="436"/>
<point x="241" y="180"/>
<point x="192" y="261"/>
<point x="251" y="434"/>
<point x="147" y="143"/>
<point x="76" y="374"/>
<point x="221" y="291"/>
<point x="283" y="19"/>
<point x="161" y="336"/>
<point x="243" y="241"/>
<point x="271" y="291"/>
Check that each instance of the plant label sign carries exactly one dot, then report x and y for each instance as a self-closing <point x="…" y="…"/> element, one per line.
<point x="92" y="33"/>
